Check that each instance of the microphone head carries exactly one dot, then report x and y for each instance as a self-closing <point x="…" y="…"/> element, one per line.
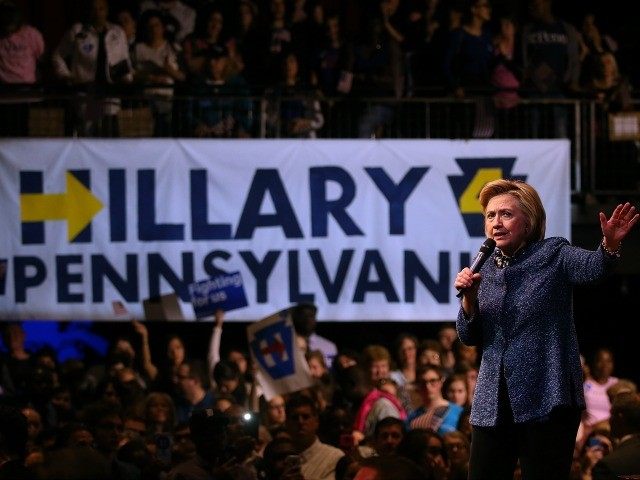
<point x="488" y="246"/>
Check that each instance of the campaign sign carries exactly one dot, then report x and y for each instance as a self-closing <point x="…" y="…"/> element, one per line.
<point x="272" y="346"/>
<point x="282" y="367"/>
<point x="225" y="291"/>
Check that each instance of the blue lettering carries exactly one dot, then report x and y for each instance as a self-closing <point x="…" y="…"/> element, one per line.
<point x="32" y="232"/>
<point x="414" y="269"/>
<point x="117" y="205"/>
<point x="332" y="288"/>
<point x="268" y="181"/>
<point x="465" y="260"/>
<point x="65" y="278"/>
<point x="261" y="271"/>
<point x="208" y="262"/>
<point x="372" y="259"/>
<point x="84" y="177"/>
<point x="200" y="229"/>
<point x="127" y="286"/>
<point x="148" y="230"/>
<point x="321" y="208"/>
<point x="21" y="278"/>
<point x="294" y="281"/>
<point x="159" y="268"/>
<point x="396" y="195"/>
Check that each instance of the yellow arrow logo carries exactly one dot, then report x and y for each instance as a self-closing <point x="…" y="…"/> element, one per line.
<point x="469" y="202"/>
<point x="77" y="206"/>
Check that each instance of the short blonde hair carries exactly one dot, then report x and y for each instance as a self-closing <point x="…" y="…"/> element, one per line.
<point x="375" y="353"/>
<point x="528" y="200"/>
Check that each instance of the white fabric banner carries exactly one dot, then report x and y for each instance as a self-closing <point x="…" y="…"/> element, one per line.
<point x="365" y="229"/>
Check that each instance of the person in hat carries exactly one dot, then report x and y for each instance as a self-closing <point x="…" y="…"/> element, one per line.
<point x="222" y="109"/>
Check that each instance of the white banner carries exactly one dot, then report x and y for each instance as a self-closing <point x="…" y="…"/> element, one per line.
<point x="365" y="229"/>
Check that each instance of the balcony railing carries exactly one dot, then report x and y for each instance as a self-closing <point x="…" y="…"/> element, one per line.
<point x="604" y="147"/>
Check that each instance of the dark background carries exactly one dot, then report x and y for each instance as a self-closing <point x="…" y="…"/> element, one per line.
<point x="53" y="17"/>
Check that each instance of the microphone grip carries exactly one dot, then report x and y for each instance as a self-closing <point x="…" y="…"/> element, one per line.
<point x="475" y="267"/>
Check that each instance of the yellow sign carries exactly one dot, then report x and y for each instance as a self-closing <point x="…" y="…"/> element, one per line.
<point x="469" y="202"/>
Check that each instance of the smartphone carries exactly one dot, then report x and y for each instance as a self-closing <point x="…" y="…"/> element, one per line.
<point x="292" y="462"/>
<point x="163" y="443"/>
<point x="250" y="423"/>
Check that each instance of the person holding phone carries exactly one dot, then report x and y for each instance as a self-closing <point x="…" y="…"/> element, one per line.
<point x="518" y="309"/>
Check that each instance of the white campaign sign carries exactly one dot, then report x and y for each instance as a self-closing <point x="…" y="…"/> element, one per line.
<point x="365" y="229"/>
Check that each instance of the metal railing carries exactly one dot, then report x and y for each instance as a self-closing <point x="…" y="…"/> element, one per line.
<point x="600" y="164"/>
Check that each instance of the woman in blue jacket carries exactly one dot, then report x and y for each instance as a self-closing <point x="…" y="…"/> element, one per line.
<point x="518" y="309"/>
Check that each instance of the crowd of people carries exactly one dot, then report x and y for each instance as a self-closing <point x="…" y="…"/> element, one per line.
<point x="305" y="50"/>
<point x="401" y="408"/>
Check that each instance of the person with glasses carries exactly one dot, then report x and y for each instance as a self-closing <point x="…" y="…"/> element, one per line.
<point x="436" y="412"/>
<point x="518" y="309"/>
<point x="425" y="448"/>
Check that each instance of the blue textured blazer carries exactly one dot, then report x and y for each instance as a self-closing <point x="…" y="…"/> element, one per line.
<point x="524" y="325"/>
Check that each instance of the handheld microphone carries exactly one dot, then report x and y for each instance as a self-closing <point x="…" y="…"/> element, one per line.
<point x="486" y="249"/>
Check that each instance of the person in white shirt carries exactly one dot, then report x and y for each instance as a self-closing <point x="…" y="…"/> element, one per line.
<point x="318" y="460"/>
<point x="156" y="62"/>
<point x="94" y="54"/>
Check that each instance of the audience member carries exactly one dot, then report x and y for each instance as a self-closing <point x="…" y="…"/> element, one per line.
<point x="426" y="449"/>
<point x="436" y="413"/>
<point x="447" y="336"/>
<point x="551" y="62"/>
<point x="156" y="63"/>
<point x="458" y="450"/>
<point x="159" y="413"/>
<point x="294" y="111"/>
<point x="381" y="402"/>
<point x="209" y="432"/>
<point x="625" y="428"/>
<point x="595" y="389"/>
<point x="382" y="468"/>
<point x="13" y="444"/>
<point x="430" y="353"/>
<point x="185" y="16"/>
<point x="194" y="390"/>
<point x="468" y="63"/>
<point x="318" y="459"/>
<point x="455" y="389"/>
<point x="21" y="49"/>
<point x="94" y="54"/>
<point x="304" y="318"/>
<point x="248" y="45"/>
<point x="387" y="435"/>
<point x="18" y="359"/>
<point x="223" y="111"/>
<point x="506" y="75"/>
<point x="197" y="46"/>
